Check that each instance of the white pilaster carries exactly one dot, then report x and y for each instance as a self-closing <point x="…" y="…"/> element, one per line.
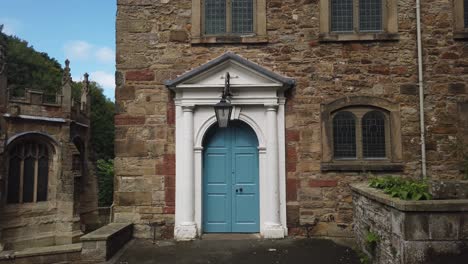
<point x="273" y="228"/>
<point x="185" y="228"/>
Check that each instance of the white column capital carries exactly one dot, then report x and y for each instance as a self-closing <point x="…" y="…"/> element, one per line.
<point x="188" y="108"/>
<point x="271" y="107"/>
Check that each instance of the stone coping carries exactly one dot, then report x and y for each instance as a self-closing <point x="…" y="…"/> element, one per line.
<point x="41" y="251"/>
<point x="105" y="232"/>
<point x="456" y="205"/>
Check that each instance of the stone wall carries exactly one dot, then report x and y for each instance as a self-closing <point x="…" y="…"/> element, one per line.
<point x="72" y="195"/>
<point x="410" y="232"/>
<point x="154" y="45"/>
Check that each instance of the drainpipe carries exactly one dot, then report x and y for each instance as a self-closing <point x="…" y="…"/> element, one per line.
<point x="421" y="91"/>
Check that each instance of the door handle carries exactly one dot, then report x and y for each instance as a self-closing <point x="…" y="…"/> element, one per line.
<point x="241" y="190"/>
<point x="237" y="190"/>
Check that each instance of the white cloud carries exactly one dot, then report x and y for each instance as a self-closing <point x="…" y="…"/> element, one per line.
<point x="11" y="26"/>
<point x="105" y="55"/>
<point x="78" y="50"/>
<point x="105" y="79"/>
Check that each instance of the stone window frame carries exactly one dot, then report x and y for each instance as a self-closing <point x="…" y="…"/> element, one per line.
<point x="460" y="30"/>
<point x="359" y="105"/>
<point x="389" y="23"/>
<point x="258" y="36"/>
<point x="50" y="145"/>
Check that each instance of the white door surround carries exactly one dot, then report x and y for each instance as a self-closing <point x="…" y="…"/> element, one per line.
<point x="258" y="99"/>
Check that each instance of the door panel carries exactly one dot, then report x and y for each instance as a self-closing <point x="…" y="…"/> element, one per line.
<point x="230" y="179"/>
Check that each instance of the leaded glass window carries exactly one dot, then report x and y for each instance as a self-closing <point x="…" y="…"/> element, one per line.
<point x="344" y="135"/>
<point x="228" y="16"/>
<point x="242" y="16"/>
<point x="215" y="16"/>
<point x="370" y="15"/>
<point x="342" y="15"/>
<point x="465" y="8"/>
<point x="356" y="15"/>
<point x="373" y="135"/>
<point x="28" y="173"/>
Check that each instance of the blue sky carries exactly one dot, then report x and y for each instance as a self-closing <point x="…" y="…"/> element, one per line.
<point x="80" y="30"/>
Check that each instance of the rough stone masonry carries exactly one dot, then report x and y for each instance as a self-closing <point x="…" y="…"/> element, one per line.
<point x="154" y="45"/>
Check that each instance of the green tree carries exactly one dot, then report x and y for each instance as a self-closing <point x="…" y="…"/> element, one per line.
<point x="102" y="139"/>
<point x="102" y="121"/>
<point x="105" y="173"/>
<point x="29" y="69"/>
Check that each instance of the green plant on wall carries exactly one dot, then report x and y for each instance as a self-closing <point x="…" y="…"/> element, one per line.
<point x="371" y="241"/>
<point x="405" y="189"/>
<point x="363" y="258"/>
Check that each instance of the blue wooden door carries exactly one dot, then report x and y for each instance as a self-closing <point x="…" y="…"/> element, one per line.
<point x="230" y="180"/>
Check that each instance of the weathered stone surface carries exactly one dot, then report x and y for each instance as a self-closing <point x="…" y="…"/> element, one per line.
<point x="103" y="243"/>
<point x="154" y="47"/>
<point x="449" y="189"/>
<point x="406" y="234"/>
<point x="61" y="124"/>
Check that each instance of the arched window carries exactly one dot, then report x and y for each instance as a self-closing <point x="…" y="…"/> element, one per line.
<point x="229" y="16"/>
<point x="373" y="135"/>
<point x="361" y="133"/>
<point x="344" y="135"/>
<point x="28" y="172"/>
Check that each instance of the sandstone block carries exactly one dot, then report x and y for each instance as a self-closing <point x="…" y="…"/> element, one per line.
<point x="140" y="75"/>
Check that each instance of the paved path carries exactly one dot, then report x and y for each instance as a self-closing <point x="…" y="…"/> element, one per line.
<point x="252" y="251"/>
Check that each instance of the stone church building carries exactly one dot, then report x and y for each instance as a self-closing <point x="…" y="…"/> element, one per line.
<point x="48" y="195"/>
<point x="324" y="93"/>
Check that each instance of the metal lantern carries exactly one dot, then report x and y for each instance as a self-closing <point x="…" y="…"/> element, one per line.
<point x="223" y="109"/>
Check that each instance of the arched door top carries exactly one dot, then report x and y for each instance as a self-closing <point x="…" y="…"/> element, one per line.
<point x="245" y="119"/>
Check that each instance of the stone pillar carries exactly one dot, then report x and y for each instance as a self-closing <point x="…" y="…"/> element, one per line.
<point x="273" y="228"/>
<point x="185" y="228"/>
<point x="3" y="78"/>
<point x="67" y="89"/>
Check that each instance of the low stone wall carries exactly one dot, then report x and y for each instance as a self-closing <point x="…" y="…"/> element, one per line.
<point x="409" y="231"/>
<point x="45" y="255"/>
<point x="103" y="243"/>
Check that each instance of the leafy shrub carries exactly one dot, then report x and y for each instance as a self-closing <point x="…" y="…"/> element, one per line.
<point x="405" y="189"/>
<point x="105" y="173"/>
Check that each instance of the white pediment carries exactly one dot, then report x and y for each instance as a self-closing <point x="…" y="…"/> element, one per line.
<point x="244" y="73"/>
<point x="241" y="76"/>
